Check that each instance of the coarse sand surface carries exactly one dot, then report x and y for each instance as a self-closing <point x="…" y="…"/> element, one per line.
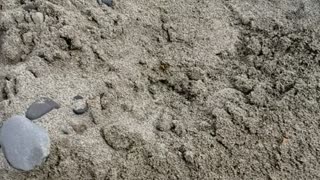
<point x="175" y="89"/>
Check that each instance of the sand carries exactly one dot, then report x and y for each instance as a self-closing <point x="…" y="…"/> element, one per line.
<point x="184" y="89"/>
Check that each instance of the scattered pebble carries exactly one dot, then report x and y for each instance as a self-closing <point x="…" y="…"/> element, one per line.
<point x="24" y="144"/>
<point x="178" y="128"/>
<point x="195" y="73"/>
<point x="120" y="138"/>
<point x="40" y="108"/>
<point x="66" y="130"/>
<point x="30" y="7"/>
<point x="243" y="84"/>
<point x="107" y="2"/>
<point x="79" y="105"/>
<point x="164" y="123"/>
<point x="188" y="156"/>
<point x="37" y="17"/>
<point x="203" y="125"/>
<point x="79" y="128"/>
<point x="27" y="37"/>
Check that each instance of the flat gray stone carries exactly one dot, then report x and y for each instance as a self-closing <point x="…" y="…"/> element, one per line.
<point x="24" y="144"/>
<point x="106" y="2"/>
<point x="40" y="108"/>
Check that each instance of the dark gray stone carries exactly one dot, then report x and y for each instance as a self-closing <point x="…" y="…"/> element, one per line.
<point x="79" y="105"/>
<point x="107" y="2"/>
<point x="78" y="97"/>
<point x="40" y="108"/>
<point x="24" y="144"/>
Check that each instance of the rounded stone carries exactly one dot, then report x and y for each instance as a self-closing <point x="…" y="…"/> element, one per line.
<point x="79" y="105"/>
<point x="24" y="144"/>
<point x="37" y="17"/>
<point x="119" y="137"/>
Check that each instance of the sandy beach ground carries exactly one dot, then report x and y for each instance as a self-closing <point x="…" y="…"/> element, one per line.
<point x="176" y="89"/>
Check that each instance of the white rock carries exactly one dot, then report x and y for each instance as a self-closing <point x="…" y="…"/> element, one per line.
<point x="24" y="144"/>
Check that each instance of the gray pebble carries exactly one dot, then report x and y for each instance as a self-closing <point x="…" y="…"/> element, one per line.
<point x="188" y="156"/>
<point x="107" y="2"/>
<point x="40" y="108"/>
<point x="120" y="138"/>
<point x="65" y="129"/>
<point x="78" y="97"/>
<point x="195" y="73"/>
<point x="79" y="105"/>
<point x="37" y="17"/>
<point x="24" y="144"/>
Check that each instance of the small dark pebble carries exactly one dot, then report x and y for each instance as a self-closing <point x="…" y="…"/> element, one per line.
<point x="107" y="2"/>
<point x="80" y="111"/>
<point x="79" y="105"/>
<point x="40" y="108"/>
<point x="78" y="97"/>
<point x="30" y="7"/>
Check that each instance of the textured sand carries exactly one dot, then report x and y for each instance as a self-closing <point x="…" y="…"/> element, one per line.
<point x="184" y="89"/>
